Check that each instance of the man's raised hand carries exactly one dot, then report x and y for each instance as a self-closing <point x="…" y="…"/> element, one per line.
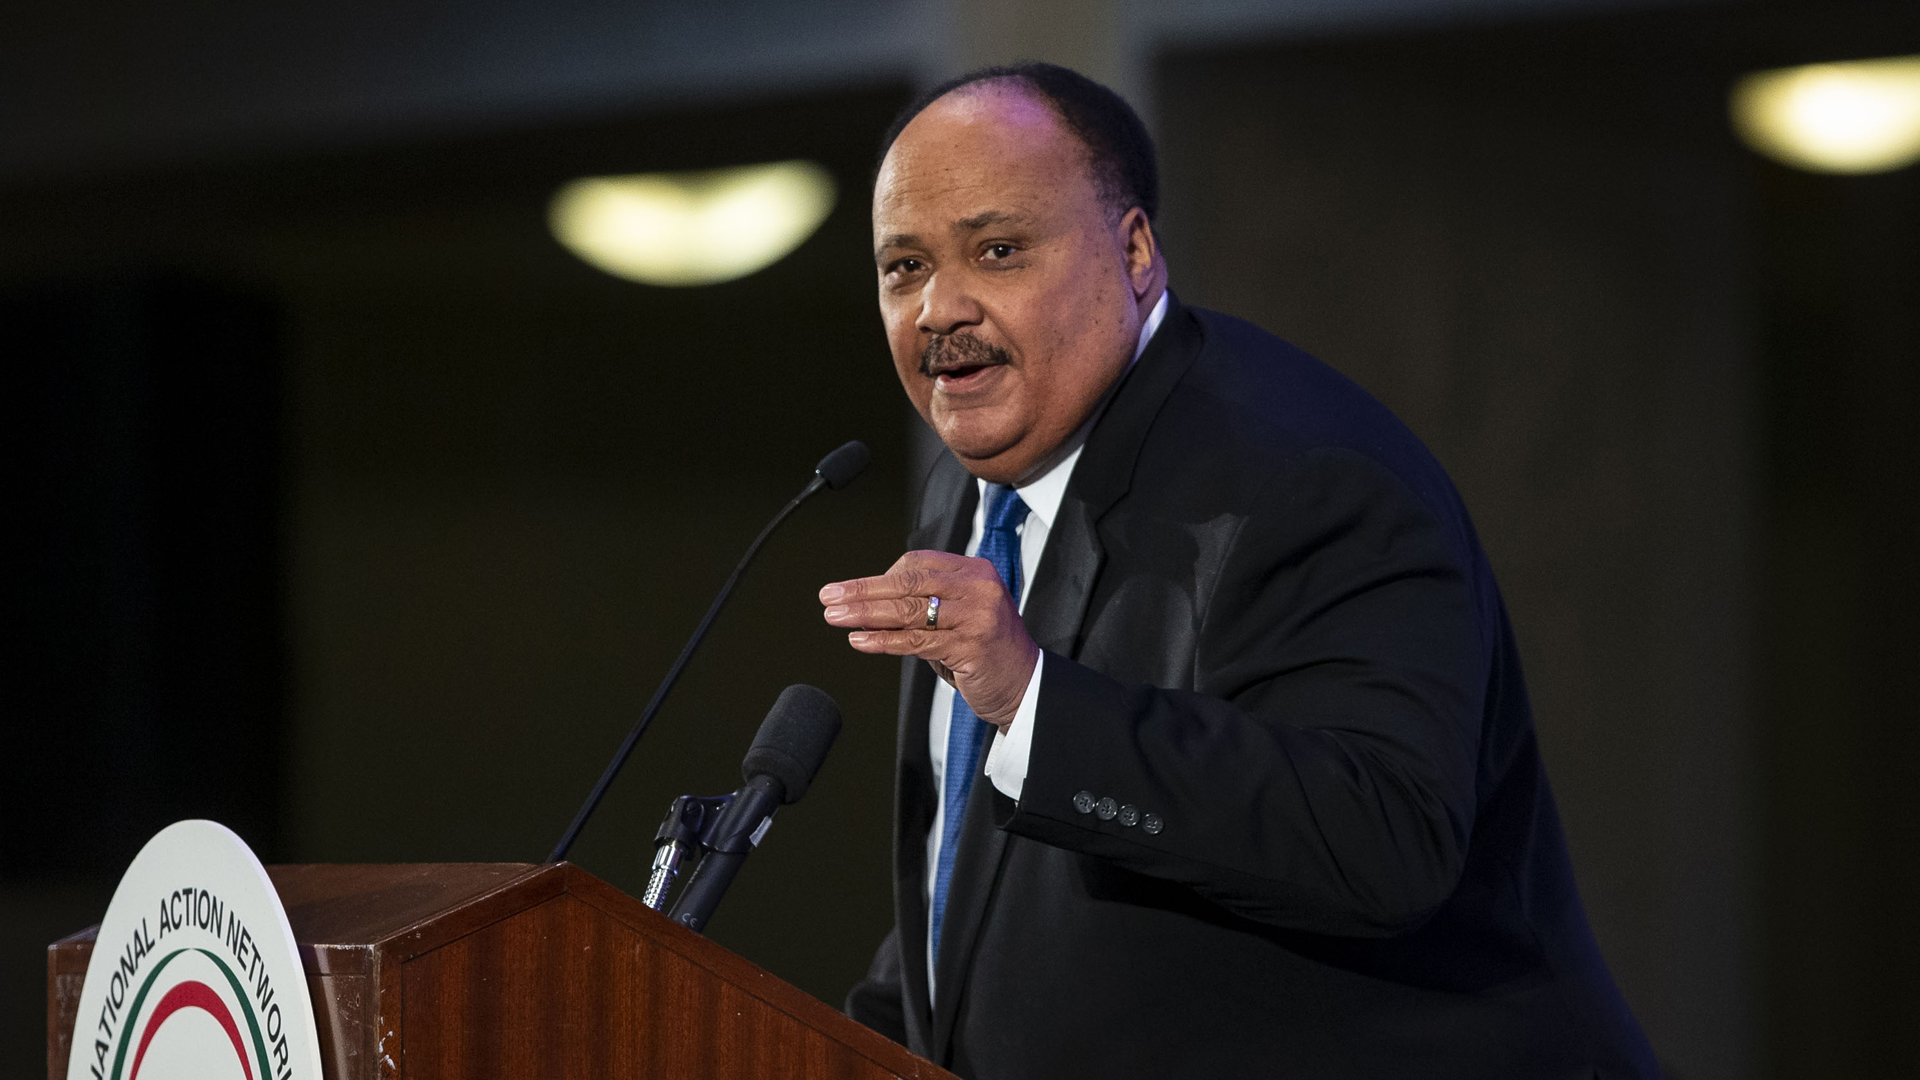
<point x="977" y="642"/>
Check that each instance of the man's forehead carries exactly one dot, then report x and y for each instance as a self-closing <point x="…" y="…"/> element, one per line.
<point x="970" y="160"/>
<point x="1011" y="218"/>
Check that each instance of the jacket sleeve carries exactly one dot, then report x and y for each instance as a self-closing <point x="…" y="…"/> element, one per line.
<point x="1320" y="776"/>
<point x="879" y="1001"/>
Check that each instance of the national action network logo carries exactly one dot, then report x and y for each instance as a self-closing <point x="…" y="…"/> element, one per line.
<point x="195" y="972"/>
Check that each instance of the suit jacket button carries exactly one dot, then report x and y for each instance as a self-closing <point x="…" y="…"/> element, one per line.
<point x="1105" y="809"/>
<point x="1153" y="824"/>
<point x="1129" y="815"/>
<point x="1083" y="802"/>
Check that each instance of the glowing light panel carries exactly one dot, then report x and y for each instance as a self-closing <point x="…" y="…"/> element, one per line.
<point x="692" y="228"/>
<point x="1857" y="117"/>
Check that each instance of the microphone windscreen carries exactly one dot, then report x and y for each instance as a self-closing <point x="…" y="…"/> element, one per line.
<point x="794" y="738"/>
<point x="840" y="467"/>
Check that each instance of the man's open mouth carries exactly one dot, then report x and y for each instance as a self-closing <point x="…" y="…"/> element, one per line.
<point x="954" y="359"/>
<point x="955" y="374"/>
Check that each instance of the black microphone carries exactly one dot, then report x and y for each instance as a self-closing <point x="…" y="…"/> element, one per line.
<point x="838" y="469"/>
<point x="834" y="472"/>
<point x="787" y="752"/>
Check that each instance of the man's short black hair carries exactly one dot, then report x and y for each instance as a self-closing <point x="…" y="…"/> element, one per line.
<point x="1118" y="147"/>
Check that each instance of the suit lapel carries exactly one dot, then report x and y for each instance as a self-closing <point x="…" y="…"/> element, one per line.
<point x="944" y="521"/>
<point x="1063" y="584"/>
<point x="1064" y="581"/>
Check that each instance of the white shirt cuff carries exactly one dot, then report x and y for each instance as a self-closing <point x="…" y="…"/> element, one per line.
<point x="1007" y="758"/>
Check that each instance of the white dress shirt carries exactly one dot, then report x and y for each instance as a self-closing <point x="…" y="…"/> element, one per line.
<point x="1006" y="763"/>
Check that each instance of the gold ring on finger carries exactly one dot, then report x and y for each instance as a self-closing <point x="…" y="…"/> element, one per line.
<point x="933" y="612"/>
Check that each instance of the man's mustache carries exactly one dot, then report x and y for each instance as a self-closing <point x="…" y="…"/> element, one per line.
<point x="949" y="352"/>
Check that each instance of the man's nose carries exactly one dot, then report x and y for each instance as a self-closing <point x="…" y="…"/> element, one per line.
<point x="946" y="305"/>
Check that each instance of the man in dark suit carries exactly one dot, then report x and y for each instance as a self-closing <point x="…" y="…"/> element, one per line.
<point x="1215" y="758"/>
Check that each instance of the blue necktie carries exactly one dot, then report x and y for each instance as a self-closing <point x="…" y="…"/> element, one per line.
<point x="999" y="545"/>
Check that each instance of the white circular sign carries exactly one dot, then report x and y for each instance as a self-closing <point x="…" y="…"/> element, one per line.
<point x="195" y="973"/>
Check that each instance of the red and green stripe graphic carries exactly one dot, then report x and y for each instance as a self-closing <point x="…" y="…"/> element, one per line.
<point x="191" y="994"/>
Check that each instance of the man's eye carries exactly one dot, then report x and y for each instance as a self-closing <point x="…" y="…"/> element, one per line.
<point x="905" y="266"/>
<point x="999" y="251"/>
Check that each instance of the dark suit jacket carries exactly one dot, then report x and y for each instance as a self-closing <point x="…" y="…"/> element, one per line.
<point x="1269" y="625"/>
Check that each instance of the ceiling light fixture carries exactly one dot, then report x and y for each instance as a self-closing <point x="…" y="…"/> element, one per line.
<point x="1862" y="116"/>
<point x="692" y="228"/>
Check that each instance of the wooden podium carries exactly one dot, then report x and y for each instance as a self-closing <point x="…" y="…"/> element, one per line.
<point x="496" y="971"/>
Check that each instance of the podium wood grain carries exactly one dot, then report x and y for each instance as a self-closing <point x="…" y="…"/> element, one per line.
<point x="507" y="970"/>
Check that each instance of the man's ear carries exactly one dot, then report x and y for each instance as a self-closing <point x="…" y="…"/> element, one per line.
<point x="1142" y="250"/>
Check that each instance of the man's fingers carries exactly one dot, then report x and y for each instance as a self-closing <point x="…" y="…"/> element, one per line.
<point x="884" y="587"/>
<point x="906" y="612"/>
<point x="917" y="573"/>
<point x="893" y="642"/>
<point x="897" y="582"/>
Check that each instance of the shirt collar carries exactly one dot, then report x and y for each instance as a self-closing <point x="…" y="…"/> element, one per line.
<point x="1043" y="494"/>
<point x="1152" y="325"/>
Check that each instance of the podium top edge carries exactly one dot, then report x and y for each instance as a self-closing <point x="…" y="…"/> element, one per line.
<point x="363" y="904"/>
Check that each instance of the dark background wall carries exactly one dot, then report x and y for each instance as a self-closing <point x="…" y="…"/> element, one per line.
<point x="364" y="518"/>
<point x="488" y="492"/>
<point x="1839" y="308"/>
<point x="143" y="673"/>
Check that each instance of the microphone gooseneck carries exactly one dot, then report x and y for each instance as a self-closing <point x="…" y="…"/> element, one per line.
<point x="788" y="750"/>
<point x="834" y="472"/>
